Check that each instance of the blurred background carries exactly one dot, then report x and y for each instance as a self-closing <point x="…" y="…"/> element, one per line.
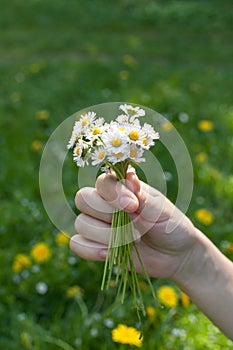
<point x="58" y="57"/>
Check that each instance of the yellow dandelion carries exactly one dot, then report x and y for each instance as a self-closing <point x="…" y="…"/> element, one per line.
<point x="15" y="97"/>
<point x="21" y="261"/>
<point x="36" y="145"/>
<point x="34" y="67"/>
<point x="201" y="157"/>
<point x="229" y="247"/>
<point x="129" y="60"/>
<point x="167" y="296"/>
<point x="151" y="313"/>
<point x="127" y="335"/>
<point x="42" y="114"/>
<point x="215" y="174"/>
<point x="167" y="126"/>
<point x="73" y="290"/>
<point x="204" y="216"/>
<point x="205" y="125"/>
<point x="124" y="74"/>
<point x="41" y="252"/>
<point x="62" y="238"/>
<point x="185" y="300"/>
<point x="26" y="340"/>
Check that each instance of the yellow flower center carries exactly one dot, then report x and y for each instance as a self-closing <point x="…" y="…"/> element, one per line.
<point x="84" y="122"/>
<point x="96" y="131"/>
<point x="133" y="153"/>
<point x="119" y="155"/>
<point x="121" y="129"/>
<point x="144" y="141"/>
<point x="134" y="135"/>
<point x="101" y="155"/>
<point x="116" y="142"/>
<point x="77" y="150"/>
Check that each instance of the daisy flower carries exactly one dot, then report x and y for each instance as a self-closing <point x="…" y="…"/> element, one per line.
<point x="132" y="111"/>
<point x="87" y="119"/>
<point x="118" y="157"/>
<point x="135" y="134"/>
<point x="135" y="153"/>
<point x="114" y="140"/>
<point x="81" y="153"/>
<point x="76" y="134"/>
<point x="96" y="129"/>
<point x="149" y="135"/>
<point x="98" y="156"/>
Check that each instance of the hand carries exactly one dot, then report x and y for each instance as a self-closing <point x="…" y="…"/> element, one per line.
<point x="167" y="235"/>
<point x="170" y="246"/>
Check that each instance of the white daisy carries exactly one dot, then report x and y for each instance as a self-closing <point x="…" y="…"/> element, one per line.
<point x="72" y="140"/>
<point x="135" y="153"/>
<point x="135" y="134"/>
<point x="98" y="156"/>
<point x="76" y="133"/>
<point x="118" y="156"/>
<point x="81" y="153"/>
<point x="87" y="119"/>
<point x="149" y="136"/>
<point x="96" y="129"/>
<point x="114" y="140"/>
<point x="150" y="131"/>
<point x="132" y="112"/>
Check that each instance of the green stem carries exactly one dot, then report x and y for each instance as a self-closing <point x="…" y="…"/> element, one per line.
<point x="120" y="253"/>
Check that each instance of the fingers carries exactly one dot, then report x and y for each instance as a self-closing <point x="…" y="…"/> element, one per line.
<point x="88" y="201"/>
<point x="88" y="250"/>
<point x="92" y="229"/>
<point x="116" y="193"/>
<point x="135" y="196"/>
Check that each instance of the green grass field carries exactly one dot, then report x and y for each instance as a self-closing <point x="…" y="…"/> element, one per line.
<point x="59" y="57"/>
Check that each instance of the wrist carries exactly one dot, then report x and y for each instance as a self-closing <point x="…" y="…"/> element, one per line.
<point x="193" y="263"/>
<point x="206" y="275"/>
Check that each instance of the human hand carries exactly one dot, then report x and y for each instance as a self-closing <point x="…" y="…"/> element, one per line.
<point x="167" y="236"/>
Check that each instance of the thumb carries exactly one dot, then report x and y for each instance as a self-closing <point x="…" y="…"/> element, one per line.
<point x="117" y="194"/>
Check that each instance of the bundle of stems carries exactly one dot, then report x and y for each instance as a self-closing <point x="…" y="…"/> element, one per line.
<point x="122" y="244"/>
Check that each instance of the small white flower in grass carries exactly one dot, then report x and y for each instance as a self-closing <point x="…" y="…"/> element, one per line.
<point x="109" y="322"/>
<point x="41" y="288"/>
<point x="98" y="156"/>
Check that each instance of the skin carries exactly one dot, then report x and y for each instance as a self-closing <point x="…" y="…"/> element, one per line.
<point x="170" y="245"/>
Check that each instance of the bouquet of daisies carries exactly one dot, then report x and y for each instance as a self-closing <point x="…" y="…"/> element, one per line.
<point x="115" y="146"/>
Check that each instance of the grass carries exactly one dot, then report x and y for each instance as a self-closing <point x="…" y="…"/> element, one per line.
<point x="60" y="57"/>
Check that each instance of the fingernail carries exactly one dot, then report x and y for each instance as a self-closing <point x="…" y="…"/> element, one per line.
<point x="127" y="203"/>
<point x="103" y="253"/>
